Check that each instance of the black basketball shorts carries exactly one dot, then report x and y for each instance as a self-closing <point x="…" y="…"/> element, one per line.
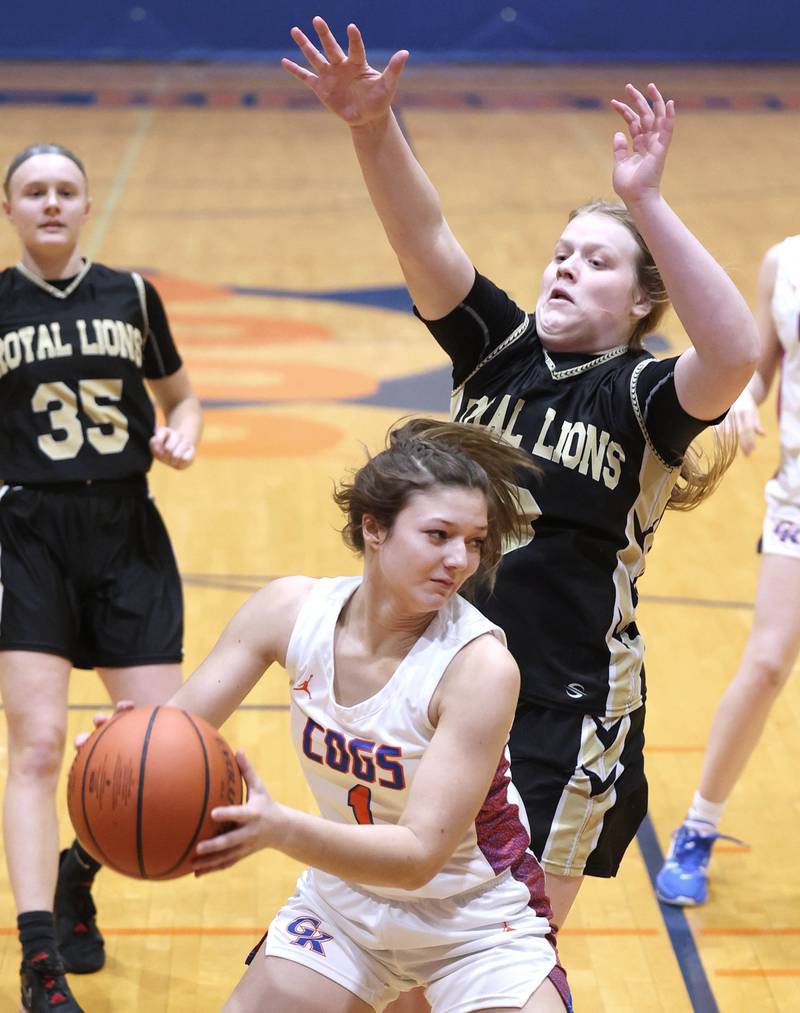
<point x="87" y="572"/>
<point x="583" y="784"/>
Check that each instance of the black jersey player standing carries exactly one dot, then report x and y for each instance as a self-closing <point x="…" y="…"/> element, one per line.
<point x="609" y="425"/>
<point x="87" y="574"/>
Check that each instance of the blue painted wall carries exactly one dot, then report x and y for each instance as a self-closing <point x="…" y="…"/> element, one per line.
<point x="490" y="30"/>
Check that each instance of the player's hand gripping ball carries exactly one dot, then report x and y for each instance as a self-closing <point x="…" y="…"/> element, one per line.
<point x="142" y="787"/>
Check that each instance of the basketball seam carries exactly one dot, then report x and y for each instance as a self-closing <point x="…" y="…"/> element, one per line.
<point x="140" y="796"/>
<point x="86" y="770"/>
<point x="206" y="794"/>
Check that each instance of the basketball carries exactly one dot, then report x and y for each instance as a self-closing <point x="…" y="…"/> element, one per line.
<point x="141" y="790"/>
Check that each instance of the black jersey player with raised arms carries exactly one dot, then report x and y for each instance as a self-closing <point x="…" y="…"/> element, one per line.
<point x="87" y="574"/>
<point x="608" y="424"/>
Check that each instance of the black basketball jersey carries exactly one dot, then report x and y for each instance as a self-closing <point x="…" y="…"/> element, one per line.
<point x="73" y="357"/>
<point x="608" y="433"/>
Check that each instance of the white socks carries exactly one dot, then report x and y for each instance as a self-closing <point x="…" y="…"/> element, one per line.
<point x="704" y="816"/>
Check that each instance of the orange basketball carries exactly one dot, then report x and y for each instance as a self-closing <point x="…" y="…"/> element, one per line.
<point x="142" y="787"/>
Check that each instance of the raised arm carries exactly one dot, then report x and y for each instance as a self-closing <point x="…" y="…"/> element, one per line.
<point x="445" y="797"/>
<point x="437" y="270"/>
<point x="710" y="375"/>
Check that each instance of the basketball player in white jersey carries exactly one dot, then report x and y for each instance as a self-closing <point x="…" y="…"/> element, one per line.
<point x="774" y="641"/>
<point x="402" y="699"/>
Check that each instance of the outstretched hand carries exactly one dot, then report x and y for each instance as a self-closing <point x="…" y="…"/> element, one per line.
<point x="250" y="827"/>
<point x="638" y="165"/>
<point x="344" y="82"/>
<point x="745" y="421"/>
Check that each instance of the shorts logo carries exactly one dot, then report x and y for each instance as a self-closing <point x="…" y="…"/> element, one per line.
<point x="575" y="690"/>
<point x="785" y="531"/>
<point x="309" y="934"/>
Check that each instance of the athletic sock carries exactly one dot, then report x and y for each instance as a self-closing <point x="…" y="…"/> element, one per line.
<point x="704" y="816"/>
<point x="37" y="932"/>
<point x="89" y="866"/>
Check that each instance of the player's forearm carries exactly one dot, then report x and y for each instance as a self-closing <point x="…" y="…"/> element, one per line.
<point x="438" y="272"/>
<point x="710" y="307"/>
<point x="758" y="387"/>
<point x="378" y="855"/>
<point x="406" y="201"/>
<point x="186" y="417"/>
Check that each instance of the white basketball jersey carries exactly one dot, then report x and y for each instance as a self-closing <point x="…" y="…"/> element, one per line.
<point x="785" y="486"/>
<point x="360" y="761"/>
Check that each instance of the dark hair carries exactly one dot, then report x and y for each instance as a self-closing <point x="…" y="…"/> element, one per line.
<point x="701" y="472"/>
<point x="40" y="149"/>
<point x="648" y="277"/>
<point x="422" y="454"/>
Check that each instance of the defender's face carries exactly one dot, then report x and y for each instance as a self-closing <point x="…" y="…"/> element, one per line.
<point x="47" y="203"/>
<point x="590" y="300"/>
<point x="433" y="547"/>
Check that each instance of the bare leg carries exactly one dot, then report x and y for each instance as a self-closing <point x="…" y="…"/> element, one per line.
<point x="768" y="658"/>
<point x="143" y="684"/>
<point x="282" y="986"/>
<point x="34" y="691"/>
<point x="409" y="1002"/>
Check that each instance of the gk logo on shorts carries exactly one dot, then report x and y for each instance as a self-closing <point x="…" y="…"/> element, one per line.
<point x="309" y="934"/>
<point x="787" y="532"/>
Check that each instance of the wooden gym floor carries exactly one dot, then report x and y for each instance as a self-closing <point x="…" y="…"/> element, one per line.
<point x="242" y="201"/>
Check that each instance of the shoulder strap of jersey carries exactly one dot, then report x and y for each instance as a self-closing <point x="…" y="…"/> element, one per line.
<point x="639" y="409"/>
<point x="518" y="331"/>
<point x="138" y="281"/>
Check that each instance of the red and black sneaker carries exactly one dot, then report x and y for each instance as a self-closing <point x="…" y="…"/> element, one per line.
<point x="80" y="943"/>
<point x="43" y="987"/>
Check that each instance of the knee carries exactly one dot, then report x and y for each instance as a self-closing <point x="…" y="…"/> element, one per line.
<point x="770" y="671"/>
<point x="37" y="757"/>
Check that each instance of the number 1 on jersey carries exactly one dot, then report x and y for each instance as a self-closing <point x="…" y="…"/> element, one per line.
<point x="359" y="798"/>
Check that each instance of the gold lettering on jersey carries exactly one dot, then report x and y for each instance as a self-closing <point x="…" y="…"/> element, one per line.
<point x="13" y="351"/>
<point x="614" y="458"/>
<point x="127" y="342"/>
<point x="566" y="427"/>
<point x="475" y="410"/>
<point x="508" y="433"/>
<point x="37" y="342"/>
<point x="579" y="445"/>
<point x="502" y="428"/>
<point x="593" y="450"/>
<point x="574" y="442"/>
<point x="61" y="348"/>
<point x="541" y="447"/>
<point x="110" y="337"/>
<point x="99" y="343"/>
<point x="87" y="347"/>
<point x="26" y="340"/>
<point x="45" y="346"/>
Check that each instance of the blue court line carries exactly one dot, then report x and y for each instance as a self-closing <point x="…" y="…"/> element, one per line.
<point x="450" y="99"/>
<point x="680" y="934"/>
<point x="391" y="297"/>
